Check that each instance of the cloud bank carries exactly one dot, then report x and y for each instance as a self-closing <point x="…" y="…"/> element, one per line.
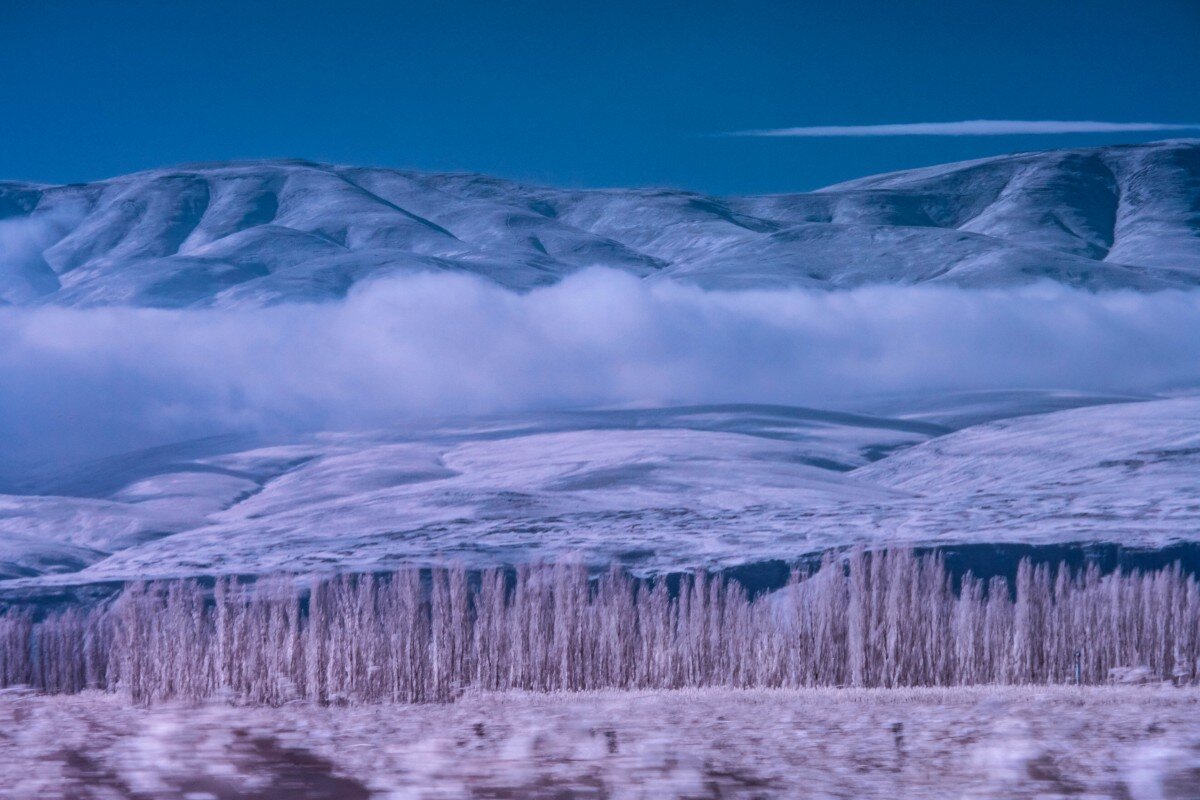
<point x="81" y="382"/>
<point x="973" y="127"/>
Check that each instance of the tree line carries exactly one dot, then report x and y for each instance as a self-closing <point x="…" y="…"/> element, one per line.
<point x="862" y="618"/>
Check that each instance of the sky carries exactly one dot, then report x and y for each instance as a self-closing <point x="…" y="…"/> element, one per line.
<point x="589" y="94"/>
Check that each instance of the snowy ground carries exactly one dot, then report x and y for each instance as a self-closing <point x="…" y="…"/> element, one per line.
<point x="1134" y="743"/>
<point x="655" y="489"/>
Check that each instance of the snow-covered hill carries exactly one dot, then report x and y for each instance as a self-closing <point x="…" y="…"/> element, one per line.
<point x="267" y="232"/>
<point x="655" y="489"/>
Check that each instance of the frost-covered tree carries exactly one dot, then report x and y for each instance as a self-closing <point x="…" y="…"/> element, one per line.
<point x="883" y="618"/>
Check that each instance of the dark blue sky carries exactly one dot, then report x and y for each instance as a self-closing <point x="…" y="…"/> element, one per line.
<point x="575" y="93"/>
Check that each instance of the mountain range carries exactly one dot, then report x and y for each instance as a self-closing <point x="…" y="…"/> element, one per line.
<point x="266" y="232"/>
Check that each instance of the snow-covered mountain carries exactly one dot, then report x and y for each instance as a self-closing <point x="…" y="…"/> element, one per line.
<point x="275" y="231"/>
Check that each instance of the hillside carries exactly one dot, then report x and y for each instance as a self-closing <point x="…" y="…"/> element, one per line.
<point x="655" y="489"/>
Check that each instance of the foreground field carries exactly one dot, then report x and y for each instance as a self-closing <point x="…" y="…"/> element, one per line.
<point x="1135" y="743"/>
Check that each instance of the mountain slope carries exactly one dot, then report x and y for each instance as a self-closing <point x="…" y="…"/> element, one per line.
<point x="276" y="231"/>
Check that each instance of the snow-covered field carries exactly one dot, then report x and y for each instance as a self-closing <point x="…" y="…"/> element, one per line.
<point x="1132" y="743"/>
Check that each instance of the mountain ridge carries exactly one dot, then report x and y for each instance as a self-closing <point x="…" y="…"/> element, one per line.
<point x="284" y="230"/>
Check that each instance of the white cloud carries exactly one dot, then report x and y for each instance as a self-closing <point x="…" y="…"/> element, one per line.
<point x="85" y="381"/>
<point x="973" y="127"/>
<point x="24" y="273"/>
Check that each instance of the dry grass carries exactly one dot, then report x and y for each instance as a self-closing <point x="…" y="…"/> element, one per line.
<point x="1134" y="743"/>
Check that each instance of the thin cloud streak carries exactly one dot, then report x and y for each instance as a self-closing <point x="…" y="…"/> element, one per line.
<point x="973" y="127"/>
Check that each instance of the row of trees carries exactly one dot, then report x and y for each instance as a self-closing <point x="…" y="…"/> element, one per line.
<point x="886" y="619"/>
